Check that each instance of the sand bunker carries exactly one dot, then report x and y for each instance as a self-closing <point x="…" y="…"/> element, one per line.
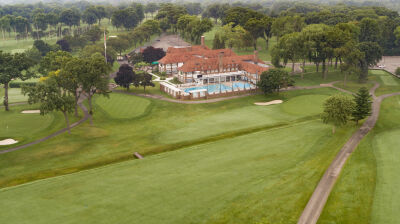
<point x="269" y="103"/>
<point x="8" y="141"/>
<point x="31" y="112"/>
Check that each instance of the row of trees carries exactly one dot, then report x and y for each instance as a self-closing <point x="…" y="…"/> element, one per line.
<point x="321" y="44"/>
<point x="191" y="27"/>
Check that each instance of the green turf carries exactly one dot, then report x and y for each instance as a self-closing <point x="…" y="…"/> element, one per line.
<point x="26" y="128"/>
<point x="235" y="180"/>
<point x="160" y="129"/>
<point x="132" y="106"/>
<point x="367" y="190"/>
<point x="15" y="95"/>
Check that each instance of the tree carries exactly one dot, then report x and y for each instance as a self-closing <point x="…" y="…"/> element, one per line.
<point x="124" y="76"/>
<point x="337" y="110"/>
<point x="151" y="8"/>
<point x="218" y="42"/>
<point x="42" y="46"/>
<point x="370" y="31"/>
<point x="64" y="45"/>
<point x="146" y="80"/>
<point x="372" y="55"/>
<point x="51" y="96"/>
<point x="151" y="54"/>
<point x="397" y="71"/>
<point x="94" y="33"/>
<point x="68" y="77"/>
<point x="216" y="11"/>
<point x="256" y="29"/>
<point x="397" y="34"/>
<point x="53" y="61"/>
<point x="14" y="66"/>
<point x="70" y="17"/>
<point x="89" y="15"/>
<point x="94" y="78"/>
<point x="363" y="104"/>
<point x="273" y="80"/>
<point x="119" y="44"/>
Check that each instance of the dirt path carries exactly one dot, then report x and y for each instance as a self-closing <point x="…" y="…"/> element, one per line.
<point x="85" y="117"/>
<point x="321" y="193"/>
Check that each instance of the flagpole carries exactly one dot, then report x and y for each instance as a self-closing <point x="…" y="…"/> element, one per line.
<point x="105" y="45"/>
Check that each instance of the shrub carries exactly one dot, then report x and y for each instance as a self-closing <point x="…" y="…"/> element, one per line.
<point x="398" y="71"/>
<point x="20" y="84"/>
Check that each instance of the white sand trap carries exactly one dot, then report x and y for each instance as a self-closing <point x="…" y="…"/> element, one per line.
<point x="31" y="112"/>
<point x="269" y="103"/>
<point x="8" y="141"/>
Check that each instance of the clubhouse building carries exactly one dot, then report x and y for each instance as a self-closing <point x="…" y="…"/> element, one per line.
<point x="206" y="73"/>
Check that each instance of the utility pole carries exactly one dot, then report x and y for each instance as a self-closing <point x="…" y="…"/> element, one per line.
<point x="105" y="45"/>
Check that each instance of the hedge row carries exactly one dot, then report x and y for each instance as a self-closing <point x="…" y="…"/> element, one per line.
<point x="20" y="84"/>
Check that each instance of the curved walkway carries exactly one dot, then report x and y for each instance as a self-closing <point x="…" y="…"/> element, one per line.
<point x="321" y="193"/>
<point x="85" y="117"/>
<point x="160" y="97"/>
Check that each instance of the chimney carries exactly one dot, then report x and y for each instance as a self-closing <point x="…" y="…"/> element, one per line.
<point x="202" y="41"/>
<point x="220" y="61"/>
<point x="255" y="57"/>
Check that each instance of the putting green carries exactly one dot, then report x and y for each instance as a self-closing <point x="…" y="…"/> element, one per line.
<point x="235" y="180"/>
<point x="304" y="105"/>
<point x="122" y="106"/>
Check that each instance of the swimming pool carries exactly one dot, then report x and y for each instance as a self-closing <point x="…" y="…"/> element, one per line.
<point x="215" y="88"/>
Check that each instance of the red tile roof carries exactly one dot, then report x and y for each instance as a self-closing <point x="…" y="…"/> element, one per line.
<point x="197" y="58"/>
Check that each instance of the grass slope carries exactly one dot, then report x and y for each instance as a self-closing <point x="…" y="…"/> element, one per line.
<point x="367" y="190"/>
<point x="263" y="177"/>
<point x="164" y="127"/>
<point x="28" y="127"/>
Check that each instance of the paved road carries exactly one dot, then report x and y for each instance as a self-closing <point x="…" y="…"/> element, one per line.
<point x="321" y="193"/>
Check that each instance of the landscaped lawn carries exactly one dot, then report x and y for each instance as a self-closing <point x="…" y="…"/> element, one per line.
<point x="14" y="95"/>
<point x="26" y="128"/>
<point x="133" y="106"/>
<point x="367" y="190"/>
<point x="262" y="177"/>
<point x="164" y="127"/>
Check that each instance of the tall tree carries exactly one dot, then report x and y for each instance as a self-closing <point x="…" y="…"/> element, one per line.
<point x="146" y="80"/>
<point x="51" y="97"/>
<point x="125" y="76"/>
<point x="13" y="66"/>
<point x="337" y="110"/>
<point x="94" y="78"/>
<point x="363" y="104"/>
<point x="273" y="80"/>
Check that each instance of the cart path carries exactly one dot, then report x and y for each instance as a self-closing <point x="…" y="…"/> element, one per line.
<point x="321" y="193"/>
<point x="85" y="117"/>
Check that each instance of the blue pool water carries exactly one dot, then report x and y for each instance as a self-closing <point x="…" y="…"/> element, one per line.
<point x="215" y="88"/>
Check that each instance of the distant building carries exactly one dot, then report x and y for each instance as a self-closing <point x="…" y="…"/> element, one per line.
<point x="201" y="66"/>
<point x="199" y="63"/>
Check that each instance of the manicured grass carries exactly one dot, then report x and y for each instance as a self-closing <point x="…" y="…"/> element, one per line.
<point x="28" y="127"/>
<point x="367" y="190"/>
<point x="133" y="106"/>
<point x="164" y="127"/>
<point x="389" y="83"/>
<point x="14" y="95"/>
<point x="262" y="177"/>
